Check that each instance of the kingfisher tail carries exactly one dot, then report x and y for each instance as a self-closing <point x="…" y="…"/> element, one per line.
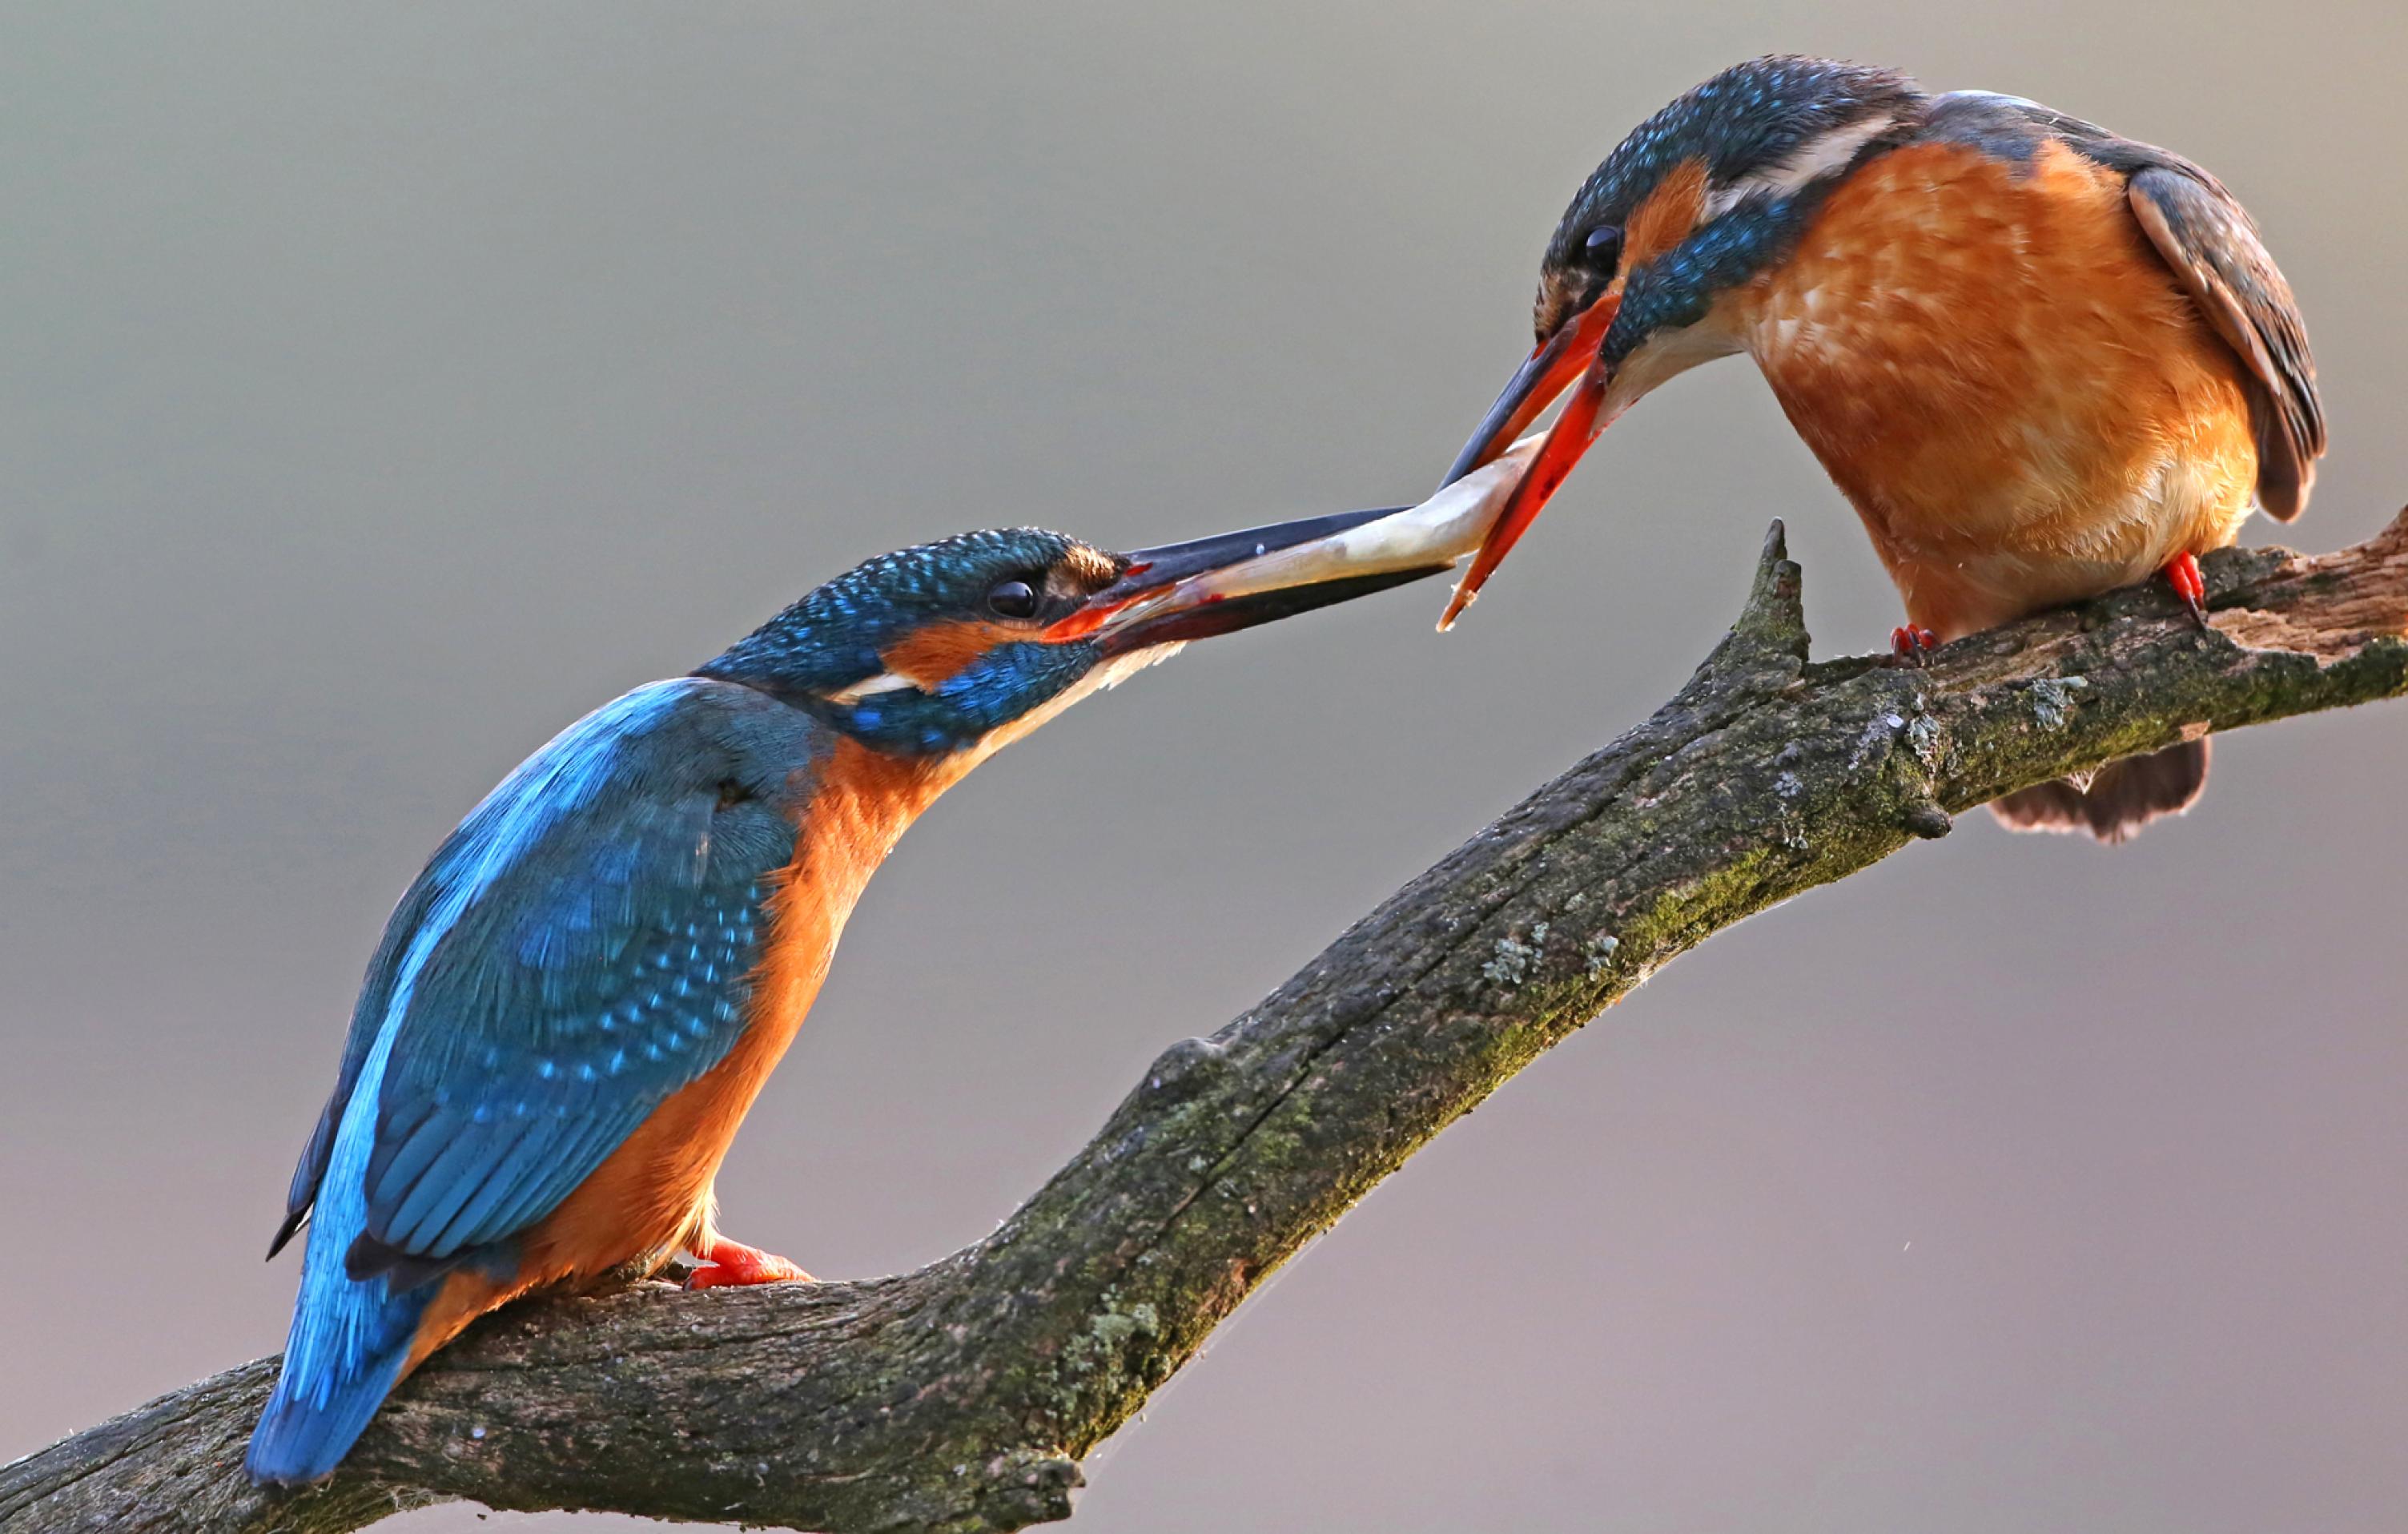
<point x="352" y="1336"/>
<point x="351" y="1342"/>
<point x="2123" y="796"/>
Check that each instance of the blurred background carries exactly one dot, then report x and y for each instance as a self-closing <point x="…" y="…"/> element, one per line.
<point x="382" y="387"/>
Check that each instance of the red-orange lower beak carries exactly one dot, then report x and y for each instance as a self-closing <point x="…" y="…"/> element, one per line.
<point x="1572" y="352"/>
<point x="1573" y="431"/>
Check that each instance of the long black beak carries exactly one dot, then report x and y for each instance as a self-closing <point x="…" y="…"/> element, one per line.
<point x="1218" y="585"/>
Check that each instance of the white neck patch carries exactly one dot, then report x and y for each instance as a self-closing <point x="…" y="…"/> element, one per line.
<point x="1811" y="161"/>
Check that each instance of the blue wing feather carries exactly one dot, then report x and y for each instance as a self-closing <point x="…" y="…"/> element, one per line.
<point x="580" y="949"/>
<point x="368" y="1016"/>
<point x="604" y="926"/>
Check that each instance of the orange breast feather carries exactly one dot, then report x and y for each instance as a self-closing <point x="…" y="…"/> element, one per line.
<point x="2005" y="380"/>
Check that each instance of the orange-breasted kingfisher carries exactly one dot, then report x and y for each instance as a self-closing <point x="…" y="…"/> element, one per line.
<point x="2042" y="361"/>
<point x="577" y="1001"/>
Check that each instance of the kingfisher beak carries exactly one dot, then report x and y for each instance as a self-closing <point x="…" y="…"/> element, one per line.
<point x="1218" y="585"/>
<point x="1572" y="353"/>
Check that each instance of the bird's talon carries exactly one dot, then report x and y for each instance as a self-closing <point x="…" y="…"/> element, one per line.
<point x="1911" y="644"/>
<point x="2183" y="573"/>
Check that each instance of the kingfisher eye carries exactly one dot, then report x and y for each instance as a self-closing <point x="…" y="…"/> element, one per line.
<point x="1013" y="599"/>
<point x="1605" y="243"/>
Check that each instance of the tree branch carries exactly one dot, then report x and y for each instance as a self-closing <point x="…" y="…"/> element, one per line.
<point x="963" y="1395"/>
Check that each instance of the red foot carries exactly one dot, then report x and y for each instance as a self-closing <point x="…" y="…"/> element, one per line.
<point x="2182" y="573"/>
<point x="733" y="1263"/>
<point x="1908" y="643"/>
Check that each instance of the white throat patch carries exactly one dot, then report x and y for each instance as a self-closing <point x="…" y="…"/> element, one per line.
<point x="1111" y="674"/>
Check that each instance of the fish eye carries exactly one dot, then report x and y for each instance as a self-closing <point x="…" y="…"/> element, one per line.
<point x="1013" y="599"/>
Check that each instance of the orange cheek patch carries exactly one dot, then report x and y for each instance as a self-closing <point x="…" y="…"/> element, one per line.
<point x="1668" y="215"/>
<point x="935" y="654"/>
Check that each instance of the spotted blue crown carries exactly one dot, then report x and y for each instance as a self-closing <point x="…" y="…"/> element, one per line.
<point x="837" y="637"/>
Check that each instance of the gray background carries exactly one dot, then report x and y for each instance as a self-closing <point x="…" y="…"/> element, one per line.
<point x="385" y="386"/>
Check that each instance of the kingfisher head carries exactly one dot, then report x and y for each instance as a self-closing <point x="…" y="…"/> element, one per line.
<point x="955" y="647"/>
<point x="1703" y="197"/>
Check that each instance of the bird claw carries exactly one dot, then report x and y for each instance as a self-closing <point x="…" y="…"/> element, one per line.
<point x="2183" y="573"/>
<point x="732" y="1264"/>
<point x="1911" y="644"/>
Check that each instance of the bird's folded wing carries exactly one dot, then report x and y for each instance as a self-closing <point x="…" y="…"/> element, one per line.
<point x="577" y="952"/>
<point x="2215" y="251"/>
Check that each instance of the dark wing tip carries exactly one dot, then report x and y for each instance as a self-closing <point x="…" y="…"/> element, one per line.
<point x="403" y="1270"/>
<point x="284" y="1232"/>
<point x="2285" y="477"/>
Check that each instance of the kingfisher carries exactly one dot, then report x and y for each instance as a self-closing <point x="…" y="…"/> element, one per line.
<point x="577" y="1001"/>
<point x="2041" y="360"/>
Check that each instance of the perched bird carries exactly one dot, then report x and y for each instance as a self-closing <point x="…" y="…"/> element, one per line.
<point x="2041" y="360"/>
<point x="576" y="1002"/>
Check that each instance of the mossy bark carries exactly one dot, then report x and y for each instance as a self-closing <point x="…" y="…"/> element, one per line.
<point x="962" y="1397"/>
